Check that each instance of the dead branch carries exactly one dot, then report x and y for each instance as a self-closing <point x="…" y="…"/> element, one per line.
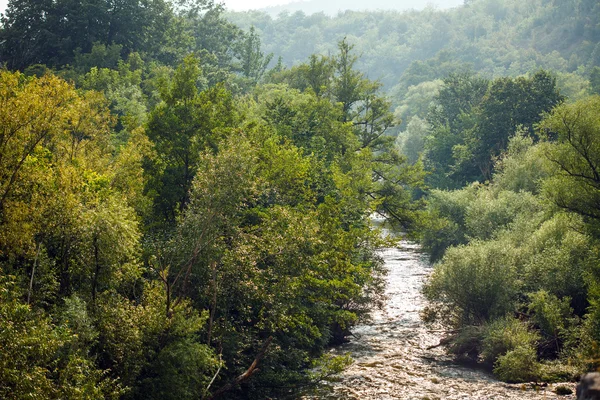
<point x="246" y="375"/>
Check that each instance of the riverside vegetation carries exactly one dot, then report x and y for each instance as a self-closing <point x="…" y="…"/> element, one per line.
<point x="183" y="217"/>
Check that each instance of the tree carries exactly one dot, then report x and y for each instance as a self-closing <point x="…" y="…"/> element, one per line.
<point x="186" y="123"/>
<point x="450" y="121"/>
<point x="348" y="85"/>
<point x="253" y="62"/>
<point x="52" y="33"/>
<point x="595" y="81"/>
<point x="510" y="103"/>
<point x="577" y="155"/>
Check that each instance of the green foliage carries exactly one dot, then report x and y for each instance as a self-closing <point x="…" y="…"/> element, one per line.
<point x="253" y="62"/>
<point x="539" y="210"/>
<point x="490" y="269"/>
<point x="159" y="230"/>
<point x="523" y="167"/>
<point x="187" y="122"/>
<point x="575" y="187"/>
<point x="595" y="81"/>
<point x="552" y="317"/>
<point x="473" y="121"/>
<point x="505" y="335"/>
<point x="57" y="31"/>
<point x="518" y="365"/>
<point x="43" y="360"/>
<point x="412" y="141"/>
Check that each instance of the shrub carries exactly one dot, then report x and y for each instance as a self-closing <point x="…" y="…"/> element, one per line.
<point x="445" y="222"/>
<point x="505" y="335"/>
<point x="518" y="365"/>
<point x="551" y="315"/>
<point x="476" y="281"/>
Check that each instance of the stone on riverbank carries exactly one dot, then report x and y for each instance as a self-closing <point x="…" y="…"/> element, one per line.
<point x="589" y="387"/>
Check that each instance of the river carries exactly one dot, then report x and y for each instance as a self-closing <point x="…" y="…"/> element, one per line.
<point x="393" y="353"/>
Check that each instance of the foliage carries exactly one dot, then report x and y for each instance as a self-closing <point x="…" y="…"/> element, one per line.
<point x="518" y="365"/>
<point x="43" y="359"/>
<point x="505" y="335"/>
<point x="489" y="267"/>
<point x="174" y="213"/>
<point x="546" y="244"/>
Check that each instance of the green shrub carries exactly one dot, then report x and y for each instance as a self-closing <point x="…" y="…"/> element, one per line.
<point x="559" y="260"/>
<point x="518" y="365"/>
<point x="505" y="335"/>
<point x="492" y="211"/>
<point x="559" y="371"/>
<point x="551" y="315"/>
<point x="524" y="166"/>
<point x="444" y="225"/>
<point x="477" y="282"/>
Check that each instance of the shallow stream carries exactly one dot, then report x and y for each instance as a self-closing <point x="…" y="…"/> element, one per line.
<point x="393" y="353"/>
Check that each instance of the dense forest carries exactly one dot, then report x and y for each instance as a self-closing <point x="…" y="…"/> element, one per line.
<point x="333" y="7"/>
<point x="186" y="194"/>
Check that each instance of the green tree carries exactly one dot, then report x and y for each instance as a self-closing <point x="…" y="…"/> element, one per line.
<point x="595" y="81"/>
<point x="576" y="186"/>
<point x="253" y="61"/>
<point x="186" y="123"/>
<point x="52" y="32"/>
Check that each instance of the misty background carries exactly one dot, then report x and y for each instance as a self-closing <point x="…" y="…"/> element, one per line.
<point x="330" y="7"/>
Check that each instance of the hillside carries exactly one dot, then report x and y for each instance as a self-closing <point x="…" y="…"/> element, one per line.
<point x="333" y="7"/>
<point x="492" y="37"/>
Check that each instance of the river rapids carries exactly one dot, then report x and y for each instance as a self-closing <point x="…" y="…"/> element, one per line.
<point x="395" y="354"/>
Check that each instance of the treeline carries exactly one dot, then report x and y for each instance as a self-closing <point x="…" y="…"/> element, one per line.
<point x="410" y="51"/>
<point x="170" y="228"/>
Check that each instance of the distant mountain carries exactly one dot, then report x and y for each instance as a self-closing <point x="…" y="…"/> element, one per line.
<point x="332" y="7"/>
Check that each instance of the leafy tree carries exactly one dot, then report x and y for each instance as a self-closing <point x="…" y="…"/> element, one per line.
<point x="508" y="105"/>
<point x="575" y="187"/>
<point x="595" y="81"/>
<point x="41" y="359"/>
<point x="449" y="119"/>
<point x="186" y="123"/>
<point x="55" y="31"/>
<point x="253" y="62"/>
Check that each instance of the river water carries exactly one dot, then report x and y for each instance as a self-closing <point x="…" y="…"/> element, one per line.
<point x="393" y="353"/>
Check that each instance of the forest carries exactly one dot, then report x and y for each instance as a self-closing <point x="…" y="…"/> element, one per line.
<point x="187" y="193"/>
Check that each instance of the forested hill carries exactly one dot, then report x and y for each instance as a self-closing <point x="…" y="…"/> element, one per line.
<point x="493" y="37"/>
<point x="332" y="7"/>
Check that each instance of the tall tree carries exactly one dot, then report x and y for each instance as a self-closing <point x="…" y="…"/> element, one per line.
<point x="186" y="123"/>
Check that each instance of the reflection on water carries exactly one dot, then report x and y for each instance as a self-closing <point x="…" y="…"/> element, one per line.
<point x="393" y="354"/>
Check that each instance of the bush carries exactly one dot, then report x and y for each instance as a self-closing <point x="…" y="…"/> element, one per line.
<point x="551" y="315"/>
<point x="559" y="259"/>
<point x="518" y="365"/>
<point x="505" y="335"/>
<point x="491" y="211"/>
<point x="445" y="222"/>
<point x="477" y="282"/>
<point x="557" y="371"/>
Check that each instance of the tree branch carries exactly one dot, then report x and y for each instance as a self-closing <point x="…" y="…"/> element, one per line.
<point x="246" y="375"/>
